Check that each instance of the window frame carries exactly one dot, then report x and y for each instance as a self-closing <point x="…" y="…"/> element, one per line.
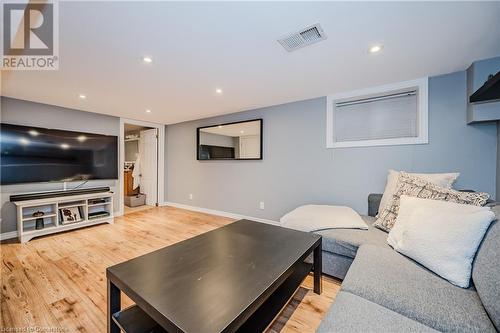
<point x="421" y="85"/>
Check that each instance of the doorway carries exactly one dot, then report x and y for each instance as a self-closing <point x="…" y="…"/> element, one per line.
<point x="142" y="168"/>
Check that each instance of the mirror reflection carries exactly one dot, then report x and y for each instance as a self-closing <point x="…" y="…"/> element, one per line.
<point x="231" y="141"/>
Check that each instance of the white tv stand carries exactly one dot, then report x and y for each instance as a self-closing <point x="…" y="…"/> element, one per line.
<point x="53" y="222"/>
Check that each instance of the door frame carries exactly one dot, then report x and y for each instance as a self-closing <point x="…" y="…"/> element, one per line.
<point x="160" y="196"/>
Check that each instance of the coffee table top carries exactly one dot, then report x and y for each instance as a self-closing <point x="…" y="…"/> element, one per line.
<point x="212" y="282"/>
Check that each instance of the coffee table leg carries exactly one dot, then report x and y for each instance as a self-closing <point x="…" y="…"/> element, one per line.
<point x="317" y="269"/>
<point x="113" y="306"/>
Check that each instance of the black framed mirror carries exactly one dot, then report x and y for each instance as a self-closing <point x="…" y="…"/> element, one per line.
<point x="240" y="140"/>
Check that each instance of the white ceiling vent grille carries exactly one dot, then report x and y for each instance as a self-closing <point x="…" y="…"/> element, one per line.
<point x="302" y="38"/>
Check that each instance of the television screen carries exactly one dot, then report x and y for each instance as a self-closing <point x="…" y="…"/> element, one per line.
<point x="208" y="152"/>
<point x="31" y="154"/>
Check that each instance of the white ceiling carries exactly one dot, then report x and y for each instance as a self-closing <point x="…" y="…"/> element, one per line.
<point x="236" y="130"/>
<point x="200" y="46"/>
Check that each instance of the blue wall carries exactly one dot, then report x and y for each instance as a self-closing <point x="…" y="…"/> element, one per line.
<point x="298" y="169"/>
<point x="498" y="162"/>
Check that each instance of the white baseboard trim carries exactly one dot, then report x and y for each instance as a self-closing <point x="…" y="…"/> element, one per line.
<point x="8" y="235"/>
<point x="13" y="234"/>
<point x="217" y="212"/>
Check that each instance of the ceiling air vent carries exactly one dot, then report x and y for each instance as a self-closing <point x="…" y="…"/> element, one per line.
<point x="302" y="38"/>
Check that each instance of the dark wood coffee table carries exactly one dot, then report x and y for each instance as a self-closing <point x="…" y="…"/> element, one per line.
<point x="235" y="278"/>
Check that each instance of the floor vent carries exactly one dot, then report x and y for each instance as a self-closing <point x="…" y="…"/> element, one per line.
<point x="304" y="37"/>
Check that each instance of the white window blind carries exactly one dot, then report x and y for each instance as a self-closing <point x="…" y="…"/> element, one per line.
<point x="393" y="114"/>
<point x="382" y="117"/>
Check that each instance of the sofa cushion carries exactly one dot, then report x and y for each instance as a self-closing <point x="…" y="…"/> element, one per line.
<point x="390" y="279"/>
<point x="486" y="272"/>
<point x="442" y="236"/>
<point x="441" y="179"/>
<point x="335" y="264"/>
<point x="311" y="218"/>
<point x="351" y="313"/>
<point x="421" y="188"/>
<point x="346" y="241"/>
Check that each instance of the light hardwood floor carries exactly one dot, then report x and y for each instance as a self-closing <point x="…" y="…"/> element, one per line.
<point x="57" y="283"/>
<point x="128" y="210"/>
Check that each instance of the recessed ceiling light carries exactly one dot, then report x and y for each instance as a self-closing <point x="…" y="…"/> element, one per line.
<point x="147" y="60"/>
<point x="148" y="111"/>
<point x="24" y="141"/>
<point x="220" y="126"/>
<point x="33" y="133"/>
<point x="64" y="146"/>
<point x="81" y="138"/>
<point x="242" y="132"/>
<point x="218" y="91"/>
<point x="82" y="96"/>
<point x="375" y="48"/>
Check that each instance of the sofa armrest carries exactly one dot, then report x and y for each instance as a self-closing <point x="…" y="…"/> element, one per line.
<point x="373" y="203"/>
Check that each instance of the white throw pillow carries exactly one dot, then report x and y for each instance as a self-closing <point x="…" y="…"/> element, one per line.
<point x="442" y="236"/>
<point x="445" y="180"/>
<point x="320" y="217"/>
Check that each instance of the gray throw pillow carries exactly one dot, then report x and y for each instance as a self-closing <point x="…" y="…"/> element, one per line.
<point x="420" y="188"/>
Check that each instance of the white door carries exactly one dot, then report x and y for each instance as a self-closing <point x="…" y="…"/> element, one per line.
<point x="148" y="152"/>
<point x="250" y="146"/>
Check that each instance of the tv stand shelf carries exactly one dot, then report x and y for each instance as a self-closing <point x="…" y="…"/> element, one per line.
<point x="85" y="205"/>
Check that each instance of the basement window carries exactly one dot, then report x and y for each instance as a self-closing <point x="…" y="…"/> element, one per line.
<point x="395" y="114"/>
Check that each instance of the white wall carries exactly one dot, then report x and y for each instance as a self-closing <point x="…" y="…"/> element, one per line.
<point x="212" y="139"/>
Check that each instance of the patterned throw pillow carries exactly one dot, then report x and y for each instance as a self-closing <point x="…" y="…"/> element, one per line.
<point x="420" y="188"/>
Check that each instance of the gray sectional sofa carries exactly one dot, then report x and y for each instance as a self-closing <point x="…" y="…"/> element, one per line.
<point x="384" y="291"/>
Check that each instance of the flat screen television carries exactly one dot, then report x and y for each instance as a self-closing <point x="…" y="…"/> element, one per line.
<point x="31" y="154"/>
